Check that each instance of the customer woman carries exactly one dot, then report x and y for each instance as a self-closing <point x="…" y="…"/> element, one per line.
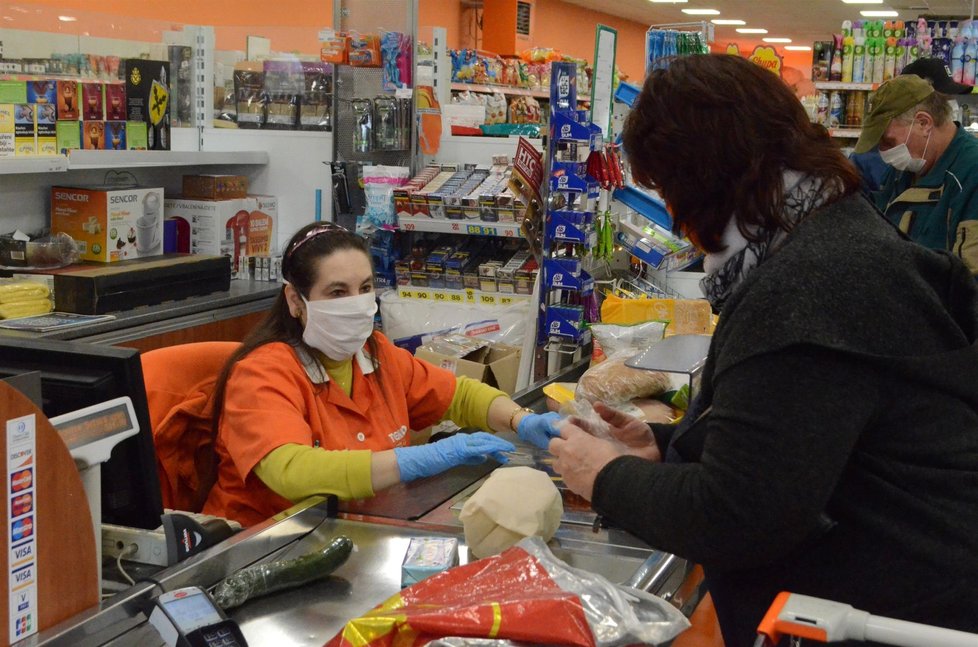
<point x="833" y="447"/>
<point x="315" y="401"/>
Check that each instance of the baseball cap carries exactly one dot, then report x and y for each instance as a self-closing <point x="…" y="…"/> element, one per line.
<point x="892" y="99"/>
<point x="938" y="73"/>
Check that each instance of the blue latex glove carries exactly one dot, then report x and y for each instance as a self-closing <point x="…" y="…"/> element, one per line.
<point x="460" y="449"/>
<point x="538" y="428"/>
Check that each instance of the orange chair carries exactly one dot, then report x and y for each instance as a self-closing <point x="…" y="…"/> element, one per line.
<point x="704" y="630"/>
<point x="179" y="388"/>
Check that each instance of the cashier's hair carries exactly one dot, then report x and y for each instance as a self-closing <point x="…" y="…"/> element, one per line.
<point x="306" y="248"/>
<point x="714" y="133"/>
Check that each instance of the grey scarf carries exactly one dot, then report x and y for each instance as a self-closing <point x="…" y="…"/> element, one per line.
<point x="802" y="196"/>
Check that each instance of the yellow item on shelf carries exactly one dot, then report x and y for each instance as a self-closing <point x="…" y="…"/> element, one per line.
<point x="26" y="308"/>
<point x="685" y="316"/>
<point x="22" y="290"/>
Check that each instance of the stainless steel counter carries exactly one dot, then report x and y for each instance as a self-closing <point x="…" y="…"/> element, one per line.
<point x="381" y="532"/>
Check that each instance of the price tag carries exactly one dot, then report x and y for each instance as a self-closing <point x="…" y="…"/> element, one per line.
<point x="487" y="299"/>
<point x="474" y="229"/>
<point x="457" y="297"/>
<point x="424" y="295"/>
<point x="405" y="294"/>
<point x="469" y="295"/>
<point x="439" y="296"/>
<point x="404" y="93"/>
<point x="408" y="226"/>
<point x="509" y="233"/>
<point x="456" y="227"/>
<point x="505" y="301"/>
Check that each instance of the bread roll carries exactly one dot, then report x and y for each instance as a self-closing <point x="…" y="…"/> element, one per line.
<point x="612" y="382"/>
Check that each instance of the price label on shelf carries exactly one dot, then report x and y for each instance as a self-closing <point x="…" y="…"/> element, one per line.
<point x="469" y="295"/>
<point x="460" y="296"/>
<point x="456" y="297"/>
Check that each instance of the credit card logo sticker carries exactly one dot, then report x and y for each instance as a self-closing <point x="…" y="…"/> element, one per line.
<point x="21" y="480"/>
<point x="21" y="504"/>
<point x="22" y="529"/>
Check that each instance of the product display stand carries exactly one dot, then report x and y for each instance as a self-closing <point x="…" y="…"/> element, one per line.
<point x="570" y="233"/>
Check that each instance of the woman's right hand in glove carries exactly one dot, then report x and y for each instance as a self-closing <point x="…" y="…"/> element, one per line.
<point x="460" y="449"/>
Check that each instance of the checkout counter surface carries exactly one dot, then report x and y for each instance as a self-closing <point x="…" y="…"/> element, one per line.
<point x="381" y="529"/>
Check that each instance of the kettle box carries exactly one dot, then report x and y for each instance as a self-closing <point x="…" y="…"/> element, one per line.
<point x="110" y="223"/>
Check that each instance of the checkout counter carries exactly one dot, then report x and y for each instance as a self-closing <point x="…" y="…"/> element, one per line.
<point x="381" y="529"/>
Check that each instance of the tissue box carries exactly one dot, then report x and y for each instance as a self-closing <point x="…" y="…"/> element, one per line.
<point x="427" y="556"/>
<point x="110" y="224"/>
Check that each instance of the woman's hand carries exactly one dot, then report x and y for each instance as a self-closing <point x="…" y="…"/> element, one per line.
<point x="634" y="434"/>
<point x="579" y="457"/>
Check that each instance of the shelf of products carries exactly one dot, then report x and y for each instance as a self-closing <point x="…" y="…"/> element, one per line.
<point x="469" y="296"/>
<point x="507" y="89"/>
<point x="467" y="227"/>
<point x="100" y="159"/>
<point x="838" y="85"/>
<point x="845" y="133"/>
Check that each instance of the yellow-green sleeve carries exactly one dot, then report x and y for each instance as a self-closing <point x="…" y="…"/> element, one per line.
<point x="470" y="406"/>
<point x="297" y="472"/>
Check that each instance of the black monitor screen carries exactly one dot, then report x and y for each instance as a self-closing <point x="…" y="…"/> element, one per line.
<point x="76" y="375"/>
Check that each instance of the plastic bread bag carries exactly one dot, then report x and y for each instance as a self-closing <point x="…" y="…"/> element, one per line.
<point x="613" y="339"/>
<point x="536" y="599"/>
<point x="614" y="383"/>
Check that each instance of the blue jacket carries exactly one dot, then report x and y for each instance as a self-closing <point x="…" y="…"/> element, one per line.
<point x="940" y="209"/>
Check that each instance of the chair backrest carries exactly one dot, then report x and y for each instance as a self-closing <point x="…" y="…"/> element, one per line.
<point x="179" y="389"/>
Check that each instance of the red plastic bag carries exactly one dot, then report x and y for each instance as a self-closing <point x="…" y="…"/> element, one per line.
<point x="524" y="594"/>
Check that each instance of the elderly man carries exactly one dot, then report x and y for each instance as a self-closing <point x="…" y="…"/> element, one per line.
<point x="931" y="190"/>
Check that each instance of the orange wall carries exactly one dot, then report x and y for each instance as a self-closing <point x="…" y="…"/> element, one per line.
<point x="293" y="24"/>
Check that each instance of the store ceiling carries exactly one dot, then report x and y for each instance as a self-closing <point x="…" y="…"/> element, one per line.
<point x="804" y="21"/>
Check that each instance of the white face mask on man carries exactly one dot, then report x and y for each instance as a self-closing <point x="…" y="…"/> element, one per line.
<point x="340" y="327"/>
<point x="899" y="156"/>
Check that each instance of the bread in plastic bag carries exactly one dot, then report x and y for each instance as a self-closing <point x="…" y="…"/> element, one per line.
<point x="612" y="382"/>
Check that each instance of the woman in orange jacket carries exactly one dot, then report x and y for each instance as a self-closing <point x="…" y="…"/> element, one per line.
<point x="317" y="402"/>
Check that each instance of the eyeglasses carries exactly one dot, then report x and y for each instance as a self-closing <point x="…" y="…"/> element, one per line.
<point x="324" y="228"/>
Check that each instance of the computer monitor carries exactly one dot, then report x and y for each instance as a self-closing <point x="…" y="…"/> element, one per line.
<point x="76" y="375"/>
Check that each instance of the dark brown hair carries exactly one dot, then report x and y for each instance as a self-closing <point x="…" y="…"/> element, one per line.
<point x="300" y="265"/>
<point x="714" y="133"/>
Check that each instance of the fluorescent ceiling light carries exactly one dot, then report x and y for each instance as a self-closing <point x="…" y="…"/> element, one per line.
<point x="680" y="1"/>
<point x="889" y="13"/>
<point x="726" y="21"/>
<point x="776" y="40"/>
<point x="702" y="12"/>
<point x="67" y="18"/>
<point x="798" y="48"/>
<point x="863" y="1"/>
<point x="751" y="30"/>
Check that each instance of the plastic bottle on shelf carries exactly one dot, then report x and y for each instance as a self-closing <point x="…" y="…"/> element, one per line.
<point x="957" y="59"/>
<point x="822" y="108"/>
<point x="900" y="61"/>
<point x="889" y="58"/>
<point x="969" y="70"/>
<point x="876" y="56"/>
<point x="837" y="109"/>
<point x="835" y="70"/>
<point x="858" y="59"/>
<point x="848" y="51"/>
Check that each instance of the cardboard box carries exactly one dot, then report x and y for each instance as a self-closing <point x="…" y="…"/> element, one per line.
<point x="115" y="135"/>
<point x="110" y="224"/>
<point x="93" y="101"/>
<point x="7" y="129"/>
<point x="93" y="135"/>
<point x="239" y="227"/>
<point x="68" y="134"/>
<point x="148" y="99"/>
<point x="25" y="129"/>
<point x="215" y="187"/>
<point x="496" y="365"/>
<point x="97" y="289"/>
<point x="47" y="133"/>
<point x="115" y="102"/>
<point x="68" y="100"/>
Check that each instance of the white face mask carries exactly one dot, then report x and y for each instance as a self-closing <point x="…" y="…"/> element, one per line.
<point x="340" y="327"/>
<point x="899" y="156"/>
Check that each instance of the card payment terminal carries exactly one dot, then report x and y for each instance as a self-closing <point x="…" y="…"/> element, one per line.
<point x="188" y="617"/>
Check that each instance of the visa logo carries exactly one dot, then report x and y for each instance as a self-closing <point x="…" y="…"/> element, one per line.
<point x="24" y="551"/>
<point x="25" y="574"/>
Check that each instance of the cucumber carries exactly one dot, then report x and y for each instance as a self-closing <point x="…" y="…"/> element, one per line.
<point x="262" y="579"/>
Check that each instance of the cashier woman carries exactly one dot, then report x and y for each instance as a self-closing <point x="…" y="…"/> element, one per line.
<point x="315" y="401"/>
